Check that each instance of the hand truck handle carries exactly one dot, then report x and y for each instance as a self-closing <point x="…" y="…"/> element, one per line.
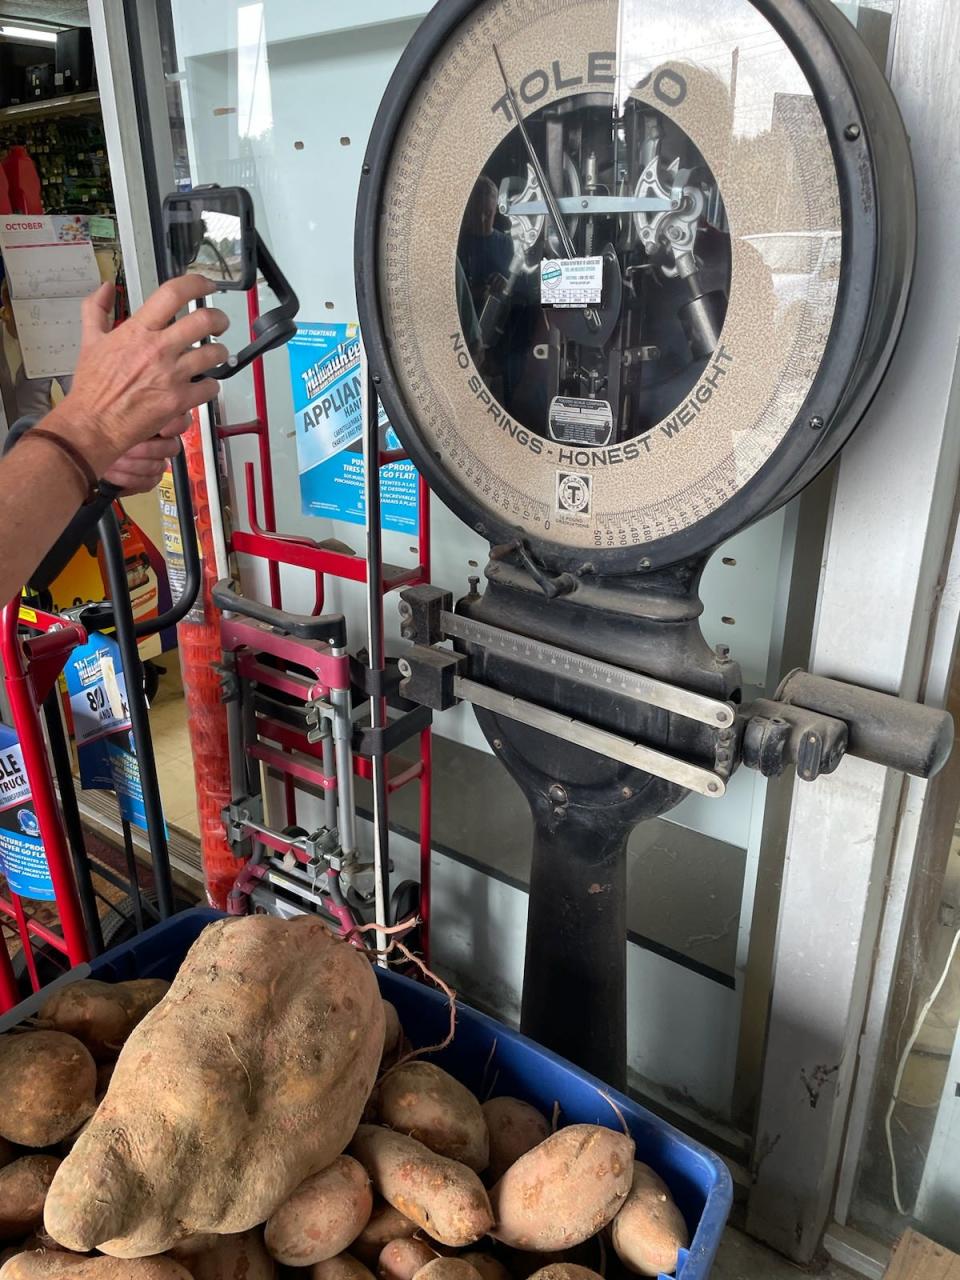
<point x="331" y="628"/>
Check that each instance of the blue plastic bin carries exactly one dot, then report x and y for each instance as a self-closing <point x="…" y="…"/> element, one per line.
<point x="698" y="1179"/>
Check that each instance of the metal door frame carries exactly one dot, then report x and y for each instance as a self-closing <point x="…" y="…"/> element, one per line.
<point x="890" y="542"/>
<point x="889" y="532"/>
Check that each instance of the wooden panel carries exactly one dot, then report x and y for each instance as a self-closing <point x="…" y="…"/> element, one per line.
<point x="917" y="1258"/>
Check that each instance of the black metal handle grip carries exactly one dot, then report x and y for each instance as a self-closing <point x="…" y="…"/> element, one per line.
<point x="331" y="628"/>
<point x="881" y="727"/>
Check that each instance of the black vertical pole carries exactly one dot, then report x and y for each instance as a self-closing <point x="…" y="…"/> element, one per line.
<point x="60" y="755"/>
<point x="135" y="895"/>
<point x="139" y="716"/>
<point x="375" y="639"/>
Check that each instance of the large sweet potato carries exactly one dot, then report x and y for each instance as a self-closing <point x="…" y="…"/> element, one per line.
<point x="23" y="1188"/>
<point x="422" y="1100"/>
<point x="248" y="1077"/>
<point x="241" y="1257"/>
<point x="443" y="1197"/>
<point x="47" y="1083"/>
<point x="101" y="1014"/>
<point x="46" y="1265"/>
<point x="649" y="1231"/>
<point x="563" y="1191"/>
<point x="323" y="1217"/>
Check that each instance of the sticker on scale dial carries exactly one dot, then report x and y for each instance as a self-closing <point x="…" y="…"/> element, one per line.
<point x="572" y="282"/>
<point x="578" y="421"/>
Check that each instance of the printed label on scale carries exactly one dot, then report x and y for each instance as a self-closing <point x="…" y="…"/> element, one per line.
<point x="571" y="282"/>
<point x="574" y="495"/>
<point x="576" y="421"/>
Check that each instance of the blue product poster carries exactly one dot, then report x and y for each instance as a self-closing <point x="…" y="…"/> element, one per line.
<point x="23" y="862"/>
<point x="101" y="723"/>
<point x="325" y="373"/>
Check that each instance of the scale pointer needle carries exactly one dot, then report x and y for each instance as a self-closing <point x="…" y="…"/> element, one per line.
<point x="549" y="198"/>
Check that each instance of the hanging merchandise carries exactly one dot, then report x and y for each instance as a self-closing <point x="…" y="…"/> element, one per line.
<point x="23" y="863"/>
<point x="101" y="718"/>
<point x="199" y="640"/>
<point x="23" y="181"/>
<point x="325" y="374"/>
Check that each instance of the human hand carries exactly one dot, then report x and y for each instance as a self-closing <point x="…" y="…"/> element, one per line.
<point x="133" y="380"/>
<point x="141" y="468"/>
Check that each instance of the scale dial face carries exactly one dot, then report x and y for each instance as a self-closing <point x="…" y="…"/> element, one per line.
<point x="610" y="246"/>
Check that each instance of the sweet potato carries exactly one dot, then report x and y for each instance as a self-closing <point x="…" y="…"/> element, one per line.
<point x="490" y="1268"/>
<point x="402" y="1259"/>
<point x="649" y="1230"/>
<point x="393" y="1032"/>
<point x="515" y="1128"/>
<point x="448" y="1269"/>
<point x="563" y="1191"/>
<point x="23" y="1188"/>
<point x="425" y="1102"/>
<point x="104" y="1076"/>
<point x="248" y="1077"/>
<point x="386" y="1224"/>
<point x="101" y="1014"/>
<point x="239" y="1257"/>
<point x="342" y="1267"/>
<point x="323" y="1217"/>
<point x="443" y="1197"/>
<point x="46" y="1265"/>
<point x="565" y="1271"/>
<point x="47" y="1083"/>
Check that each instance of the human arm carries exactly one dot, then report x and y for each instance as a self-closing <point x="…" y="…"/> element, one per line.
<point x="130" y="384"/>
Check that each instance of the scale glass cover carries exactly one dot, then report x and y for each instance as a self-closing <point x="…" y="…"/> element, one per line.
<point x="623" y="280"/>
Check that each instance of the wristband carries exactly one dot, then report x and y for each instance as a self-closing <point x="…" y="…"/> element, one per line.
<point x="70" y="451"/>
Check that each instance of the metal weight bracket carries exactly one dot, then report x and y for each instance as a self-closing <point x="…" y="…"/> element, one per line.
<point x="812" y="723"/>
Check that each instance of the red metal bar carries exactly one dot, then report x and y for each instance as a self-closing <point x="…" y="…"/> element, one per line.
<point x="331" y="671"/>
<point x="425" y="543"/>
<point x="263" y="445"/>
<point x="287" y="764"/>
<point x="26" y="721"/>
<point x="33" y="927"/>
<point x="9" y="992"/>
<point x="289" y="798"/>
<point x="290" y="683"/>
<point x="23" y="924"/>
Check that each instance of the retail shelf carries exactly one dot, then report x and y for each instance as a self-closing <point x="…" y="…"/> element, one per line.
<point x="71" y="104"/>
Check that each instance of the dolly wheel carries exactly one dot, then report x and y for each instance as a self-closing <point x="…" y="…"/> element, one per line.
<point x="405" y="904"/>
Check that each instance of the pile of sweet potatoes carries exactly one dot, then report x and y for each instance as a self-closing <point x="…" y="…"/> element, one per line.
<point x="261" y="1118"/>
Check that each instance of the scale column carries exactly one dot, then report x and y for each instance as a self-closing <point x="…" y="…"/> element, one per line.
<point x="575" y="976"/>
